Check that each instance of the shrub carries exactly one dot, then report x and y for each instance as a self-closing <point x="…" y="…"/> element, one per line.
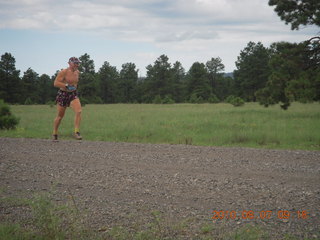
<point x="168" y="100"/>
<point x="237" y="102"/>
<point x="213" y="99"/>
<point x="84" y="101"/>
<point x="230" y="99"/>
<point x="28" y="101"/>
<point x="51" y="103"/>
<point x="196" y="99"/>
<point x="7" y="120"/>
<point x="96" y="100"/>
<point x="157" y="100"/>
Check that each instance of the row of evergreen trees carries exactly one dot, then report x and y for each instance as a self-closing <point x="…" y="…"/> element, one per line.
<point x="164" y="83"/>
<point x="283" y="72"/>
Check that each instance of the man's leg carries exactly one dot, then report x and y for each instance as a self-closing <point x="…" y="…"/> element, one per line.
<point x="57" y="120"/>
<point x="76" y="106"/>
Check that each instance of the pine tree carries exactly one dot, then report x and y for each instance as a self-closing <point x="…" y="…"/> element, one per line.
<point x="108" y="78"/>
<point x="127" y="83"/>
<point x="198" y="82"/>
<point x="10" y="89"/>
<point x="252" y="70"/>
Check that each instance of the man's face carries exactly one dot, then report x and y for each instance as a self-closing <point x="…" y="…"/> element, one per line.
<point x="74" y="65"/>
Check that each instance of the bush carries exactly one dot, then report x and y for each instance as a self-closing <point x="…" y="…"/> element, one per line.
<point x="96" y="100"/>
<point x="230" y="99"/>
<point x="157" y="100"/>
<point x="237" y="102"/>
<point x="7" y="120"/>
<point x="196" y="99"/>
<point x="168" y="100"/>
<point x="213" y="99"/>
<point x="51" y="103"/>
<point x="28" y="101"/>
<point x="84" y="101"/>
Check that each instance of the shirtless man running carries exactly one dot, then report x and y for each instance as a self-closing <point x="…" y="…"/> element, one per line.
<point x="67" y="80"/>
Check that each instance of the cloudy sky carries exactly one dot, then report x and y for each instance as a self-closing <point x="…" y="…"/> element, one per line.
<point x="43" y="34"/>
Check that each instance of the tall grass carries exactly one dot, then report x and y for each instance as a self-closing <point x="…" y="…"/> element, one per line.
<point x="198" y="124"/>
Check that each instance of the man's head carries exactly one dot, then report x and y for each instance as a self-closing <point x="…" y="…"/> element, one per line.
<point x="74" y="63"/>
<point x="74" y="60"/>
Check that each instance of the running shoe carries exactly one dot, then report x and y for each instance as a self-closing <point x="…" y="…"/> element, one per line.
<point x="55" y="137"/>
<point x="77" y="136"/>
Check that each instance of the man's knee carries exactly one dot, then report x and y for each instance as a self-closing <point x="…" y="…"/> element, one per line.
<point x="59" y="117"/>
<point x="78" y="111"/>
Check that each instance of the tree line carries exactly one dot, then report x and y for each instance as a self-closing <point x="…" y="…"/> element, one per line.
<point x="164" y="82"/>
<point x="284" y="72"/>
<point x="281" y="73"/>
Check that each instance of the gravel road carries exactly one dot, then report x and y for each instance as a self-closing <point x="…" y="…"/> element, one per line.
<point x="118" y="183"/>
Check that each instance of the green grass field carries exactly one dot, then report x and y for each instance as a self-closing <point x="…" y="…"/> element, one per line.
<point x="196" y="124"/>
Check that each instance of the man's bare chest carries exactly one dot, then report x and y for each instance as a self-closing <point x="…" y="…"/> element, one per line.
<point x="72" y="77"/>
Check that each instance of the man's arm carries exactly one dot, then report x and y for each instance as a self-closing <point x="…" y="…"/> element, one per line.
<point x="58" y="82"/>
<point x="77" y="80"/>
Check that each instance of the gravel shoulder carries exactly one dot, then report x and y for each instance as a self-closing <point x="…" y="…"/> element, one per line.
<point x="118" y="183"/>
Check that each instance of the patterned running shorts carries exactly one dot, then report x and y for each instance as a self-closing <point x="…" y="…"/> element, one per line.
<point x="65" y="98"/>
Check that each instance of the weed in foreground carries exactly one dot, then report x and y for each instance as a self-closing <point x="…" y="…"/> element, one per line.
<point x="51" y="221"/>
<point x="48" y="221"/>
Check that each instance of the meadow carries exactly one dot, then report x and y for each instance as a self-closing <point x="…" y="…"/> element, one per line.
<point x="251" y="125"/>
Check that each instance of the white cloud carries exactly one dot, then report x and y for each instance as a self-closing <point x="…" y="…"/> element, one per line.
<point x="142" y="15"/>
<point x="150" y="20"/>
<point x="185" y="30"/>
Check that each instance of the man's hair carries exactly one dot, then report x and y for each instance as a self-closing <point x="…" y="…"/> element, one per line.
<point x="74" y="60"/>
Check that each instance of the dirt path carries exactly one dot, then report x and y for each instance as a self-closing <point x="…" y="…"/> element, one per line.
<point x="116" y="183"/>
